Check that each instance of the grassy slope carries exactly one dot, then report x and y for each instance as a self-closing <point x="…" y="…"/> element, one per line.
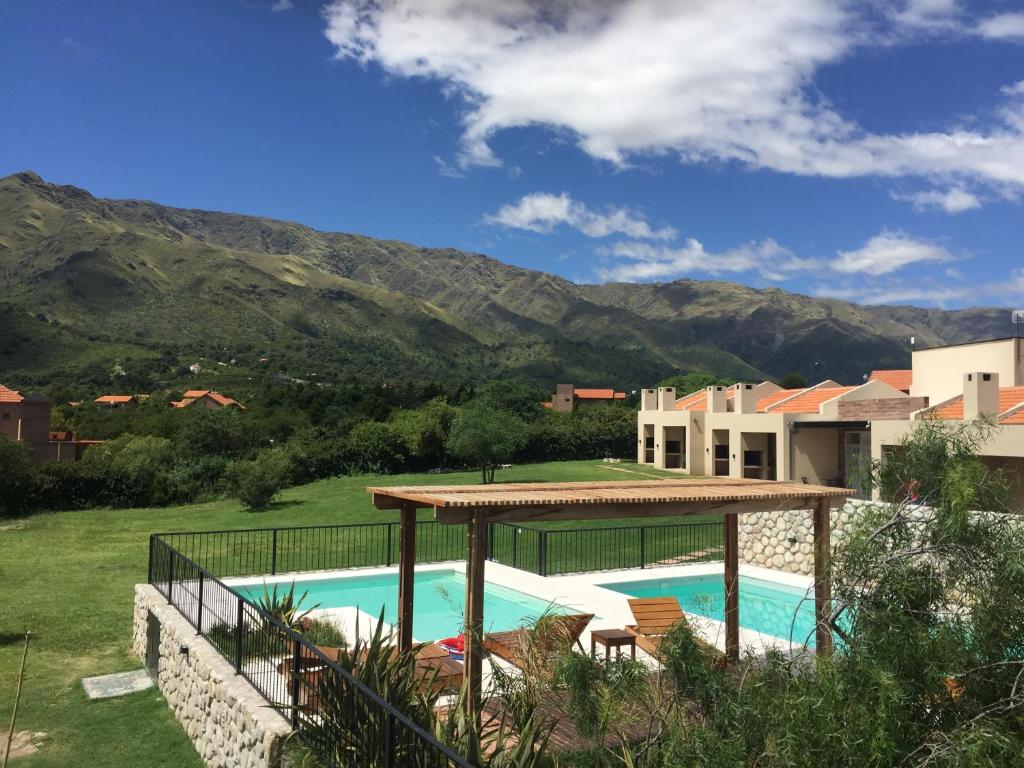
<point x="69" y="578"/>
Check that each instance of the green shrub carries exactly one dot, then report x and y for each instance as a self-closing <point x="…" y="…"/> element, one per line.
<point x="255" y="482"/>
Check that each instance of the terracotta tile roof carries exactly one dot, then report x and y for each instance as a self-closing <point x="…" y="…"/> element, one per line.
<point x="698" y="401"/>
<point x="895" y="378"/>
<point x="9" y="395"/>
<point x="599" y="394"/>
<point x="197" y="394"/>
<point x="1009" y="397"/>
<point x="1017" y="417"/>
<point x="811" y="400"/>
<point x="182" y="403"/>
<point x="769" y="400"/>
<point x="194" y="393"/>
<point x="114" y="399"/>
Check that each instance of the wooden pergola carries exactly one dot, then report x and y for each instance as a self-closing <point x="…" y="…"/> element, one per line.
<point x="479" y="505"/>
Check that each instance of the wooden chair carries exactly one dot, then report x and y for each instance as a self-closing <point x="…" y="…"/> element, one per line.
<point x="655" y="617"/>
<point x="525" y="647"/>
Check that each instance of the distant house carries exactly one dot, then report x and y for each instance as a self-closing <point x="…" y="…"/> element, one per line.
<point x="206" y="398"/>
<point x="567" y="398"/>
<point x="116" y="401"/>
<point x="25" y="419"/>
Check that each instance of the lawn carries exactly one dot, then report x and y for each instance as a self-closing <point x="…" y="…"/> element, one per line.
<point x="69" y="578"/>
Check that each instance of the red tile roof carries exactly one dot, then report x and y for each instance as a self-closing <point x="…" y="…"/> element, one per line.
<point x="1017" y="417"/>
<point x="9" y="395"/>
<point x="599" y="394"/>
<point x="896" y="378"/>
<point x="115" y="399"/>
<point x="810" y="401"/>
<point x="196" y="394"/>
<point x="1009" y="398"/>
<point x="768" y="401"/>
<point x="698" y="401"/>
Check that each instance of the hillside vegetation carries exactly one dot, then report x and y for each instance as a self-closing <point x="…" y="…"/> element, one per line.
<point x="97" y="288"/>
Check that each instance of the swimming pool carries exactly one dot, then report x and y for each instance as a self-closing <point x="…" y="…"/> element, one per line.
<point x="765" y="606"/>
<point x="438" y="608"/>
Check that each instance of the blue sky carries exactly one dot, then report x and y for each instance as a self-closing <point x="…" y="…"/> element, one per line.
<point x="870" y="151"/>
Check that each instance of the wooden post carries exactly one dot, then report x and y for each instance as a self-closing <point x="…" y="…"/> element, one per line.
<point x="406" y="574"/>
<point x="476" y="549"/>
<point x="732" y="587"/>
<point x="822" y="576"/>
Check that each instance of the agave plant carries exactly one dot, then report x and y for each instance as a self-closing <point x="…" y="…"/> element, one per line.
<point x="286" y="607"/>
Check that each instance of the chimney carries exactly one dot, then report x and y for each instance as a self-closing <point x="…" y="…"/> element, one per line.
<point x="564" y="398"/>
<point x="666" y="398"/>
<point x="745" y="399"/>
<point x="649" y="400"/>
<point x="717" y="401"/>
<point x="981" y="395"/>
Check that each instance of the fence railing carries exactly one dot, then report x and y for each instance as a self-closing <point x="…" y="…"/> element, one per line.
<point x="292" y="675"/>
<point x="547" y="552"/>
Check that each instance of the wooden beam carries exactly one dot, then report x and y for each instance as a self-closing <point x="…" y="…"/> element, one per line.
<point x="406" y="574"/>
<point x="593" y="511"/>
<point x="822" y="576"/>
<point x="476" y="554"/>
<point x="732" y="587"/>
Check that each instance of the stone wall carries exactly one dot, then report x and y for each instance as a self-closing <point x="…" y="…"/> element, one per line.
<point x="230" y="724"/>
<point x="784" y="541"/>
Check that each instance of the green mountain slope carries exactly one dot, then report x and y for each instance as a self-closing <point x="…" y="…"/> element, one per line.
<point x="99" y="284"/>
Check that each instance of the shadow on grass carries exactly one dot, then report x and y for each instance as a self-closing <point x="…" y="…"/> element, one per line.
<point x="13" y="638"/>
<point x="276" y="506"/>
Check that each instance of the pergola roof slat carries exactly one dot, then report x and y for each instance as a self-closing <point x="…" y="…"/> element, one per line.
<point x="673" y="492"/>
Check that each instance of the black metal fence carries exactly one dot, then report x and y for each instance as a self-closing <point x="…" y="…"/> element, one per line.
<point x="547" y="552"/>
<point x="291" y="674"/>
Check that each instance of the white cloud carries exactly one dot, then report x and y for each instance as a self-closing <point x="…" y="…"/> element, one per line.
<point x="928" y="15"/>
<point x="708" y="80"/>
<point x="642" y="261"/>
<point x="887" y="253"/>
<point x="897" y="294"/>
<point x="542" y="212"/>
<point x="282" y="5"/>
<point x="1005" y="26"/>
<point x="954" y="200"/>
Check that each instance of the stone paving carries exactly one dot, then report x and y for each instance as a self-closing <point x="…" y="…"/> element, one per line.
<point x="118" y="684"/>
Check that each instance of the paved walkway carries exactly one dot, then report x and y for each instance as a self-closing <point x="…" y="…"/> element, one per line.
<point x="118" y="684"/>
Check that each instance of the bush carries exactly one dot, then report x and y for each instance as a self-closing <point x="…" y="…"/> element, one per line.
<point x="255" y="482"/>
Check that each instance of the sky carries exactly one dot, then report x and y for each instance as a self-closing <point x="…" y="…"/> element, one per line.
<point x="869" y="151"/>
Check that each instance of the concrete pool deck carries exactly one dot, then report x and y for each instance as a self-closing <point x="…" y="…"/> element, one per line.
<point x="580" y="593"/>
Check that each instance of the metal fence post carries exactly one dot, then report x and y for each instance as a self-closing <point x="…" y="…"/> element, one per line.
<point x="273" y="553"/>
<point x="239" y="630"/>
<point x="389" y="741"/>
<point x="389" y="545"/>
<point x="170" y="579"/>
<point x="149" y="570"/>
<point x="199" y="613"/>
<point x="643" y="547"/>
<point x="515" y="546"/>
<point x="296" y="680"/>
<point x="542" y="553"/>
<point x="490" y="542"/>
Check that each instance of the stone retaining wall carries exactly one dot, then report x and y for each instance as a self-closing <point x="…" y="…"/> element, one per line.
<point x="785" y="540"/>
<point x="230" y="724"/>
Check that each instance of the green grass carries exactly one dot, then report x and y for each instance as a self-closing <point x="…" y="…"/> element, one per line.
<point x="69" y="578"/>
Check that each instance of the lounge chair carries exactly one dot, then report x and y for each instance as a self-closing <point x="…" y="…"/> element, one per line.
<point x="526" y="647"/>
<point x="655" y="617"/>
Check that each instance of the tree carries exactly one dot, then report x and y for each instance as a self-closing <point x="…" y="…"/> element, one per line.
<point x="793" y="380"/>
<point x="486" y="437"/>
<point x="17" y="483"/>
<point x="255" y="482"/>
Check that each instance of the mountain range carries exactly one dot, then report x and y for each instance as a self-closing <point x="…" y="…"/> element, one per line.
<point x="94" y="287"/>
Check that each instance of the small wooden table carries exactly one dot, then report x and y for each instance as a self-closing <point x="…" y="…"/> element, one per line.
<point x="612" y="638"/>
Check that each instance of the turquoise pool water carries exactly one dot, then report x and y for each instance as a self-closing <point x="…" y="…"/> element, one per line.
<point x="438" y="608"/>
<point x="766" y="607"/>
